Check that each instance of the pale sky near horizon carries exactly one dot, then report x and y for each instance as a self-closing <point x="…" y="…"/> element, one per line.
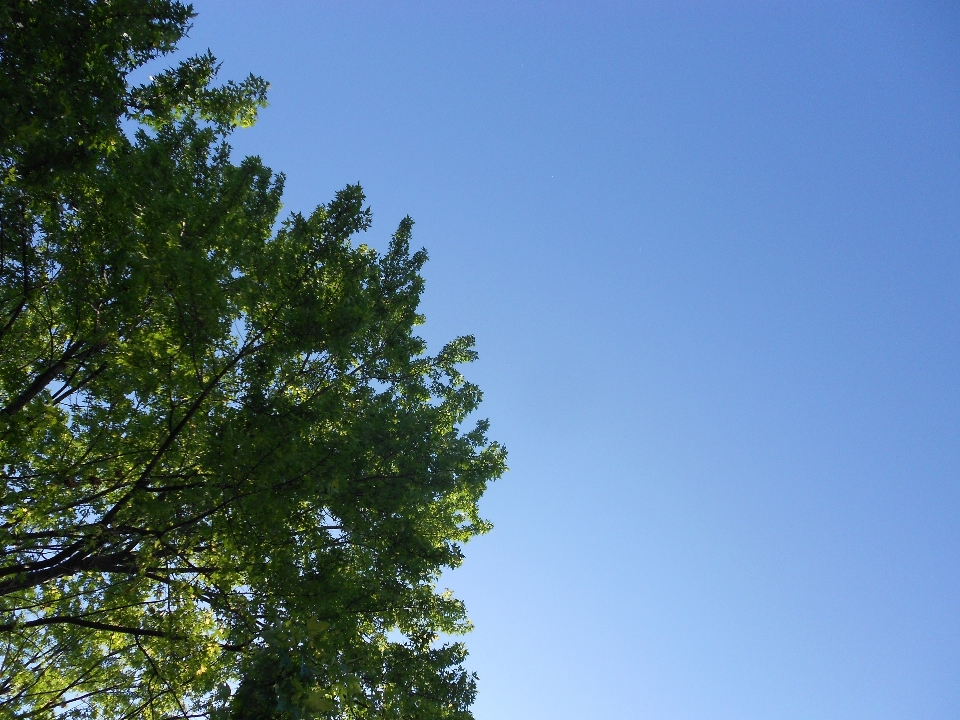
<point x="711" y="255"/>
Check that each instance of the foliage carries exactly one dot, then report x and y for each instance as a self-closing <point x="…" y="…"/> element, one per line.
<point x="231" y="473"/>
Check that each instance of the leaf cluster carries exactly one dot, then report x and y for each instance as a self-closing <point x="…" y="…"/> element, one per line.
<point x="231" y="472"/>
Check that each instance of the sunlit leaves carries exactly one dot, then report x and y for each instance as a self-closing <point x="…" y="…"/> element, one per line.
<point x="231" y="472"/>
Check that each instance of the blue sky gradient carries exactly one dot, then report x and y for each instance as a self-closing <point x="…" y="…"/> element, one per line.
<point x="710" y="253"/>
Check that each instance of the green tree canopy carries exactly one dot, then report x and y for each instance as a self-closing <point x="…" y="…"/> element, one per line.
<point x="231" y="472"/>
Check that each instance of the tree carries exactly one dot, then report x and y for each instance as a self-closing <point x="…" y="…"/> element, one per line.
<point x="231" y="473"/>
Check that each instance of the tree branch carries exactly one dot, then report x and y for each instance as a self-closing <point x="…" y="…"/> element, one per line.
<point x="72" y="352"/>
<point x="92" y="624"/>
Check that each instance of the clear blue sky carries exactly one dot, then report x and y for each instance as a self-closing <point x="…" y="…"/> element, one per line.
<point x="711" y="255"/>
